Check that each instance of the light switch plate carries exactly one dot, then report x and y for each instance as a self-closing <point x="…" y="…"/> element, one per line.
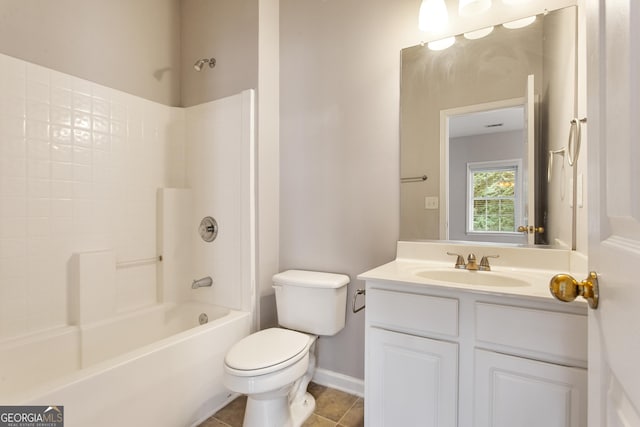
<point x="431" y="202"/>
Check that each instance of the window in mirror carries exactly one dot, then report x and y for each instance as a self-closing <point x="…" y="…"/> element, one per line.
<point x="493" y="196"/>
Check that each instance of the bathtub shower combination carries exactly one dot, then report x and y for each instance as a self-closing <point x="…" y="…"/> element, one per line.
<point x="132" y="312"/>
<point x="162" y="368"/>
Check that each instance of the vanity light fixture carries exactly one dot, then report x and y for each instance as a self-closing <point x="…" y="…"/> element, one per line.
<point x="473" y="7"/>
<point x="478" y="34"/>
<point x="433" y="16"/>
<point x="519" y="23"/>
<point x="441" y="44"/>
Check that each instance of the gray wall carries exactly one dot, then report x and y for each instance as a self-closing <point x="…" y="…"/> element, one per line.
<point x="228" y="31"/>
<point x="143" y="47"/>
<point x="339" y="73"/>
<point x="133" y="46"/>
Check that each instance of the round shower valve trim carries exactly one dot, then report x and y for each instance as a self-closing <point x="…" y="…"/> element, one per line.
<point x="208" y="229"/>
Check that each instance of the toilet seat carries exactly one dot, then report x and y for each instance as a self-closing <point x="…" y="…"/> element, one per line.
<point x="266" y="351"/>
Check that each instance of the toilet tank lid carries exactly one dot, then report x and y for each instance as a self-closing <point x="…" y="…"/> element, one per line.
<point x="310" y="279"/>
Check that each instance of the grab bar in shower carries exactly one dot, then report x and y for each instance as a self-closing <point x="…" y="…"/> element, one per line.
<point x="414" y="179"/>
<point x="138" y="262"/>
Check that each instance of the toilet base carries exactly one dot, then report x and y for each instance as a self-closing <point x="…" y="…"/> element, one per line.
<point x="302" y="409"/>
<point x="278" y="412"/>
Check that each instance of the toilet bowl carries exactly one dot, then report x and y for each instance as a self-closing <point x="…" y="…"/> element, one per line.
<point x="273" y="367"/>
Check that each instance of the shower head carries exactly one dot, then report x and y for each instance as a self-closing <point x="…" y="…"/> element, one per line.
<point x="200" y="63"/>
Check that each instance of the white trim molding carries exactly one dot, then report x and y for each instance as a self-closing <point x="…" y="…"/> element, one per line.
<point x="339" y="381"/>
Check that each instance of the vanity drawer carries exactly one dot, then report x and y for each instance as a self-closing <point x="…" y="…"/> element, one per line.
<point x="540" y="334"/>
<point x="413" y="312"/>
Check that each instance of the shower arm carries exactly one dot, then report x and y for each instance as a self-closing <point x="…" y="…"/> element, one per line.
<point x="200" y="63"/>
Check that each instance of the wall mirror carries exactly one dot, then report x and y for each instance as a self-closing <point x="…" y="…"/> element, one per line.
<point x="478" y="119"/>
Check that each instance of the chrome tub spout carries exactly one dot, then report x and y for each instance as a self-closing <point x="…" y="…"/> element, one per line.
<point x="200" y="283"/>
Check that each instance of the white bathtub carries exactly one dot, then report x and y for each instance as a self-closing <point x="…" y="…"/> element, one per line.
<point x="155" y="366"/>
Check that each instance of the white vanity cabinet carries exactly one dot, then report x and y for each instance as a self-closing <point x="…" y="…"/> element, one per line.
<point x="437" y="356"/>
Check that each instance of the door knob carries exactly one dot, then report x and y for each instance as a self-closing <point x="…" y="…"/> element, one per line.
<point x="565" y="288"/>
<point x="530" y="229"/>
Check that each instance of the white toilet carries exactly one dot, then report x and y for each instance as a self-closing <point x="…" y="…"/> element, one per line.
<point x="274" y="366"/>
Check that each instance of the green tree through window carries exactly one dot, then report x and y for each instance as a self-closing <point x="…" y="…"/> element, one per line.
<point x="493" y="199"/>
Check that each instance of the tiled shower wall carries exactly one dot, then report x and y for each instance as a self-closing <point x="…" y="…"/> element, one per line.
<point x="80" y="165"/>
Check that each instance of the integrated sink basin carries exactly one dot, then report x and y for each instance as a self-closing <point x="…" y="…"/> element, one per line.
<point x="472" y="277"/>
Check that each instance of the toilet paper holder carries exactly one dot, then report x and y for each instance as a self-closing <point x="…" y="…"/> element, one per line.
<point x="355" y="300"/>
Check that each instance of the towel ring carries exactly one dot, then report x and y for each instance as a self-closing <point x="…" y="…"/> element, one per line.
<point x="573" y="146"/>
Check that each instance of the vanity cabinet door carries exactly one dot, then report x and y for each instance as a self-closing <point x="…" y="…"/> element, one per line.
<point x="513" y="391"/>
<point x="411" y="381"/>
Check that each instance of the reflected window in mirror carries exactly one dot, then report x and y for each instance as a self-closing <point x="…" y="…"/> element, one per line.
<point x="493" y="197"/>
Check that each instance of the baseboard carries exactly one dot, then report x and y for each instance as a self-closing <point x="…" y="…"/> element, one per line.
<point x="339" y="381"/>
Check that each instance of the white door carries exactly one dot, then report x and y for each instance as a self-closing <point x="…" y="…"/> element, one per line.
<point x="613" y="43"/>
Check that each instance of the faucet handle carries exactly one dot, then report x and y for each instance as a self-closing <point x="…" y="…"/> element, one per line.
<point x="459" y="261"/>
<point x="484" y="262"/>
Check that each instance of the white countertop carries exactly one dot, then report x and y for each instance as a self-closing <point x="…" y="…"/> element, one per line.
<point x="416" y="257"/>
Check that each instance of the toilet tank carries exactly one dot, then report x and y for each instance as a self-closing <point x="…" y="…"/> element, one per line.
<point x="311" y="301"/>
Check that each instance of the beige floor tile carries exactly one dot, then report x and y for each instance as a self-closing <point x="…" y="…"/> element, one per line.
<point x="317" y="421"/>
<point x="212" y="422"/>
<point x="354" y="416"/>
<point x="330" y="403"/>
<point x="233" y="413"/>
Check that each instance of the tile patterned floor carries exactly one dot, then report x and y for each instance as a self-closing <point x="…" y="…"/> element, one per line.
<point x="334" y="408"/>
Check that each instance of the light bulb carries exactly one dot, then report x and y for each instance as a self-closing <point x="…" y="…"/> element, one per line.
<point x="441" y="44"/>
<point x="478" y="34"/>
<point x="519" y="23"/>
<point x="473" y="7"/>
<point x="433" y="16"/>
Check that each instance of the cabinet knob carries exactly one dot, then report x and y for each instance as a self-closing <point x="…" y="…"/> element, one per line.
<point x="565" y="288"/>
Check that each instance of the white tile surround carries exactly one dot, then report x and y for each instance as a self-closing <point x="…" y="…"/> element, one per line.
<point x="80" y="165"/>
